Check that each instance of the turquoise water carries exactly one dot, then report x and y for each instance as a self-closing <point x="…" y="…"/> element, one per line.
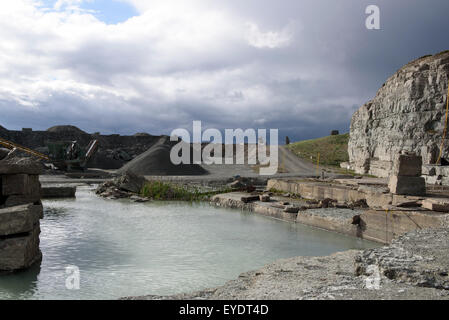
<point x="127" y="249"/>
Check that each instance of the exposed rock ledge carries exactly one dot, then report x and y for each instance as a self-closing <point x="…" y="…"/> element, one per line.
<point x="407" y="114"/>
<point x="415" y="266"/>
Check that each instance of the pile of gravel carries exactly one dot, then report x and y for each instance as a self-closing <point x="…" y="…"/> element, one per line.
<point x="156" y="161"/>
<point x="65" y="129"/>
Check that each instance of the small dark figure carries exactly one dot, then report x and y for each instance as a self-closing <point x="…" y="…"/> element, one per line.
<point x="287" y="140"/>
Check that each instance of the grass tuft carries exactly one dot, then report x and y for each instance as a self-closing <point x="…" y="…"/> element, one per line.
<point x="159" y="190"/>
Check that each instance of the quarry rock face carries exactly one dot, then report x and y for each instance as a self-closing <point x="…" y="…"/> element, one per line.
<point x="407" y="114"/>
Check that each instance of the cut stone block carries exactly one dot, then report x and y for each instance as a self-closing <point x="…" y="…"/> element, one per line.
<point x="291" y="209"/>
<point x="19" y="219"/>
<point x="441" y="205"/>
<point x="407" y="165"/>
<point x="403" y="185"/>
<point x="20" y="252"/>
<point x="58" y="192"/>
<point x="379" y="200"/>
<point x="247" y="199"/>
<point x="20" y="184"/>
<point x="20" y="166"/>
<point x="18" y="200"/>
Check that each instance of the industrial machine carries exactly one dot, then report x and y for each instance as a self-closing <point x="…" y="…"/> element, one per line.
<point x="68" y="156"/>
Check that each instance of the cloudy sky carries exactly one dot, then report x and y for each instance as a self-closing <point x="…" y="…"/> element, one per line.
<point x="126" y="66"/>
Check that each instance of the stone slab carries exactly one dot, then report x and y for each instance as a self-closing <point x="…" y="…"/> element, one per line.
<point x="386" y="225"/>
<point x="20" y="165"/>
<point x="19" y="184"/>
<point x="407" y="165"/>
<point x="405" y="185"/>
<point x="20" y="252"/>
<point x="58" y="192"/>
<point x="441" y="205"/>
<point x="19" y="219"/>
<point x="18" y="200"/>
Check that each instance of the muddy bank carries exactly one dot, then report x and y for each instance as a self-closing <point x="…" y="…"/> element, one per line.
<point x="414" y="266"/>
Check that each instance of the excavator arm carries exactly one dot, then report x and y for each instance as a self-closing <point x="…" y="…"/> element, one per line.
<point x="11" y="145"/>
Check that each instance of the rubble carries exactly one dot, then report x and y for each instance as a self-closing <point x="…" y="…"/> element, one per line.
<point x="419" y="258"/>
<point x="124" y="186"/>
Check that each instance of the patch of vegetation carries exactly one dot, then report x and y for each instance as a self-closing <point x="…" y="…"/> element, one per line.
<point x="159" y="190"/>
<point x="332" y="149"/>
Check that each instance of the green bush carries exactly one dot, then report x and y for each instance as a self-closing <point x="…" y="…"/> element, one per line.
<point x="159" y="190"/>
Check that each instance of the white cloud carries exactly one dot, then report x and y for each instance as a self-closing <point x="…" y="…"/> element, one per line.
<point x="269" y="39"/>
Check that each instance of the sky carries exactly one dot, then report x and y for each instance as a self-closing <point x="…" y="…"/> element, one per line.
<point x="127" y="66"/>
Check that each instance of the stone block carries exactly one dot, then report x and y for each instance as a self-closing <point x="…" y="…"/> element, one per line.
<point x="20" y="252"/>
<point x="407" y="165"/>
<point x="441" y="205"/>
<point x="18" y="200"/>
<point x="20" y="166"/>
<point x="405" y="185"/>
<point x="248" y="199"/>
<point x="19" y="219"/>
<point x="20" y="184"/>
<point x="58" y="192"/>
<point x="379" y="200"/>
<point x="291" y="209"/>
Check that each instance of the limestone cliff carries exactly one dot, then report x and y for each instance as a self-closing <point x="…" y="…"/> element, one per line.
<point x="407" y="114"/>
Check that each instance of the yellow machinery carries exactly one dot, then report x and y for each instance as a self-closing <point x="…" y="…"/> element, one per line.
<point x="64" y="155"/>
<point x="14" y="146"/>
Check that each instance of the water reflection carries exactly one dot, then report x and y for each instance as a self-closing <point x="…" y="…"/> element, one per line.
<point x="124" y="249"/>
<point x="20" y="284"/>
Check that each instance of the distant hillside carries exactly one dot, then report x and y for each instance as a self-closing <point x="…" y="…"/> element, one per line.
<point x="333" y="149"/>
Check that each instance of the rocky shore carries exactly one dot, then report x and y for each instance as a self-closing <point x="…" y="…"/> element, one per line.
<point x="414" y="266"/>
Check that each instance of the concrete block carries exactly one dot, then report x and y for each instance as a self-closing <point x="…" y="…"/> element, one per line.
<point x="405" y="185"/>
<point x="20" y="184"/>
<point x="441" y="205"/>
<point x="20" y="252"/>
<point x="19" y="219"/>
<point x="407" y="165"/>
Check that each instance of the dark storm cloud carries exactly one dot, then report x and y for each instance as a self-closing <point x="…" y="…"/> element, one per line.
<point x="301" y="66"/>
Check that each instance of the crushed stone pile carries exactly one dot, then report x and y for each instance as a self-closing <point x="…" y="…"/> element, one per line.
<point x="156" y="161"/>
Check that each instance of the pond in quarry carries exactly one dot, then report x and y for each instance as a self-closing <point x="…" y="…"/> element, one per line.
<point x="123" y="249"/>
